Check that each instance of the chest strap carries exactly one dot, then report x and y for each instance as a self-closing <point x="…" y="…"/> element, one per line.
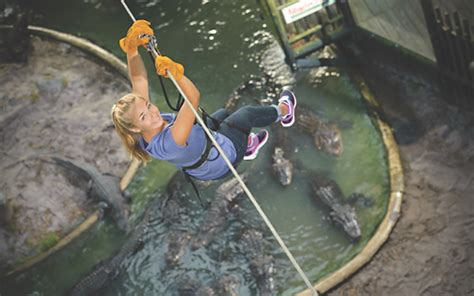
<point x="203" y="158"/>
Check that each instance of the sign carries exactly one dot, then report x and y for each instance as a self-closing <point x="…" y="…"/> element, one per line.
<point x="303" y="8"/>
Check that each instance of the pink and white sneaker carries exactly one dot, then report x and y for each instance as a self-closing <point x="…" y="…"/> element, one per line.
<point x="256" y="141"/>
<point x="288" y="98"/>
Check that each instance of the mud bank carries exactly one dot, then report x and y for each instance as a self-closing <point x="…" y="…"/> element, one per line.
<point x="430" y="250"/>
<point x="57" y="103"/>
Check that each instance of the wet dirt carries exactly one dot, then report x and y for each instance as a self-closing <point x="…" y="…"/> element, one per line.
<point x="430" y="249"/>
<point x="57" y="103"/>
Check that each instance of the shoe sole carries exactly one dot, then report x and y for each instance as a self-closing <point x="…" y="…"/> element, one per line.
<point x="293" y="118"/>
<point x="253" y="156"/>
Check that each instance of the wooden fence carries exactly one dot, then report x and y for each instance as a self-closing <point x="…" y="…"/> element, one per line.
<point x="453" y="46"/>
<point x="303" y="33"/>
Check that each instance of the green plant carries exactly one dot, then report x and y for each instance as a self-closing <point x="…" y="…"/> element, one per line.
<point x="50" y="240"/>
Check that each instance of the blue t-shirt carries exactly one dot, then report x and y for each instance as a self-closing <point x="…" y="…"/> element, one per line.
<point x="163" y="147"/>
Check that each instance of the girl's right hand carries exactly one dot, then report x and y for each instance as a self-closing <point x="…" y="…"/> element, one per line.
<point x="162" y="64"/>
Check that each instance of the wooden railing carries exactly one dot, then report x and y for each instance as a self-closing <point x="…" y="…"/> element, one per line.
<point x="453" y="46"/>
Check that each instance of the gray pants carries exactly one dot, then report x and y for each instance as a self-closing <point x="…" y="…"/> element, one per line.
<point x="237" y="125"/>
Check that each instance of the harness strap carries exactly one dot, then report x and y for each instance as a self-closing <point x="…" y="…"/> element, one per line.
<point x="190" y="180"/>
<point x="203" y="158"/>
<point x="217" y="123"/>
<point x="205" y="116"/>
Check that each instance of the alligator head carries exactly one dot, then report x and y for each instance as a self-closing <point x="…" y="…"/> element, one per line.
<point x="214" y="221"/>
<point x="282" y="167"/>
<point x="307" y="121"/>
<point x="178" y="240"/>
<point x="345" y="216"/>
<point x="101" y="187"/>
<point x="262" y="269"/>
<point x="227" y="285"/>
<point x="191" y="287"/>
<point x="261" y="264"/>
<point x="215" y="217"/>
<point x="328" y="139"/>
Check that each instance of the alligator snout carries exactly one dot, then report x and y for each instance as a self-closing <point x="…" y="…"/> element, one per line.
<point x="347" y="218"/>
<point x="178" y="241"/>
<point x="328" y="139"/>
<point x="342" y="213"/>
<point x="282" y="167"/>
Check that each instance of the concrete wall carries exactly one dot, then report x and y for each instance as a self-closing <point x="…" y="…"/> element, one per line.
<point x="399" y="21"/>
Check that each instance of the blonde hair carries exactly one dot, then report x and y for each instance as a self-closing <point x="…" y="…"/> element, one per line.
<point x="123" y="125"/>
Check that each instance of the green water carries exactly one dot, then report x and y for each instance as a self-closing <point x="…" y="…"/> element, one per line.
<point x="219" y="43"/>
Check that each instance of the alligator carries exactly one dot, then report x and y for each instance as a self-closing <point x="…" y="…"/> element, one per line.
<point x="108" y="269"/>
<point x="172" y="213"/>
<point x="216" y="216"/>
<point x="261" y="264"/>
<point x="253" y="83"/>
<point x="178" y="240"/>
<point x="282" y="168"/>
<point x="225" y="286"/>
<point x="102" y="187"/>
<point x="327" y="137"/>
<point x="193" y="288"/>
<point x="277" y="73"/>
<point x="342" y="213"/>
<point x="172" y="208"/>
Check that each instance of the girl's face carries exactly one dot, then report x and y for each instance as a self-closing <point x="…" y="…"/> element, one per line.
<point x="146" y="117"/>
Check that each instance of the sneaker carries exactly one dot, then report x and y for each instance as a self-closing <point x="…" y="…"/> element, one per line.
<point x="288" y="97"/>
<point x="256" y="141"/>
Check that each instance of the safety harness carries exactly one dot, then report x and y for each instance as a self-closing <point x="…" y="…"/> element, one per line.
<point x="205" y="154"/>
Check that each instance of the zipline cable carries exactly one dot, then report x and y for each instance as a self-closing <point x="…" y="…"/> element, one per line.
<point x="155" y="53"/>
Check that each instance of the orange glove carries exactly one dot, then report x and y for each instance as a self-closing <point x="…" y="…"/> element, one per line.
<point x="130" y="43"/>
<point x="163" y="63"/>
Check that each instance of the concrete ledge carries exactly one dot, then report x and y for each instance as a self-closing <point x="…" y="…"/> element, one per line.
<point x="84" y="226"/>
<point x="393" y="211"/>
<point x="85" y="45"/>
<point x="119" y="66"/>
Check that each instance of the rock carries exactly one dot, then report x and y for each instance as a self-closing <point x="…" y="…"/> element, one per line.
<point x="454" y="141"/>
<point x="60" y="119"/>
<point x="50" y="88"/>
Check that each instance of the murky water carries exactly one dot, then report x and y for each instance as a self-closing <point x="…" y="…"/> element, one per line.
<point x="219" y="43"/>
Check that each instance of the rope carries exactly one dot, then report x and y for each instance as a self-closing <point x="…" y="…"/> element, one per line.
<point x="247" y="191"/>
<point x="234" y="172"/>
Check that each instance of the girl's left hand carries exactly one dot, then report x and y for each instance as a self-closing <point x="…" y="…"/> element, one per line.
<point x="130" y="43"/>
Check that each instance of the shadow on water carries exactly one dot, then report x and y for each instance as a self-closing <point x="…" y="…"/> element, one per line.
<point x="220" y="44"/>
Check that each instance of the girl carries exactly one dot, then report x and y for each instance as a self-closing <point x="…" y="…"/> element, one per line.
<point x="146" y="132"/>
